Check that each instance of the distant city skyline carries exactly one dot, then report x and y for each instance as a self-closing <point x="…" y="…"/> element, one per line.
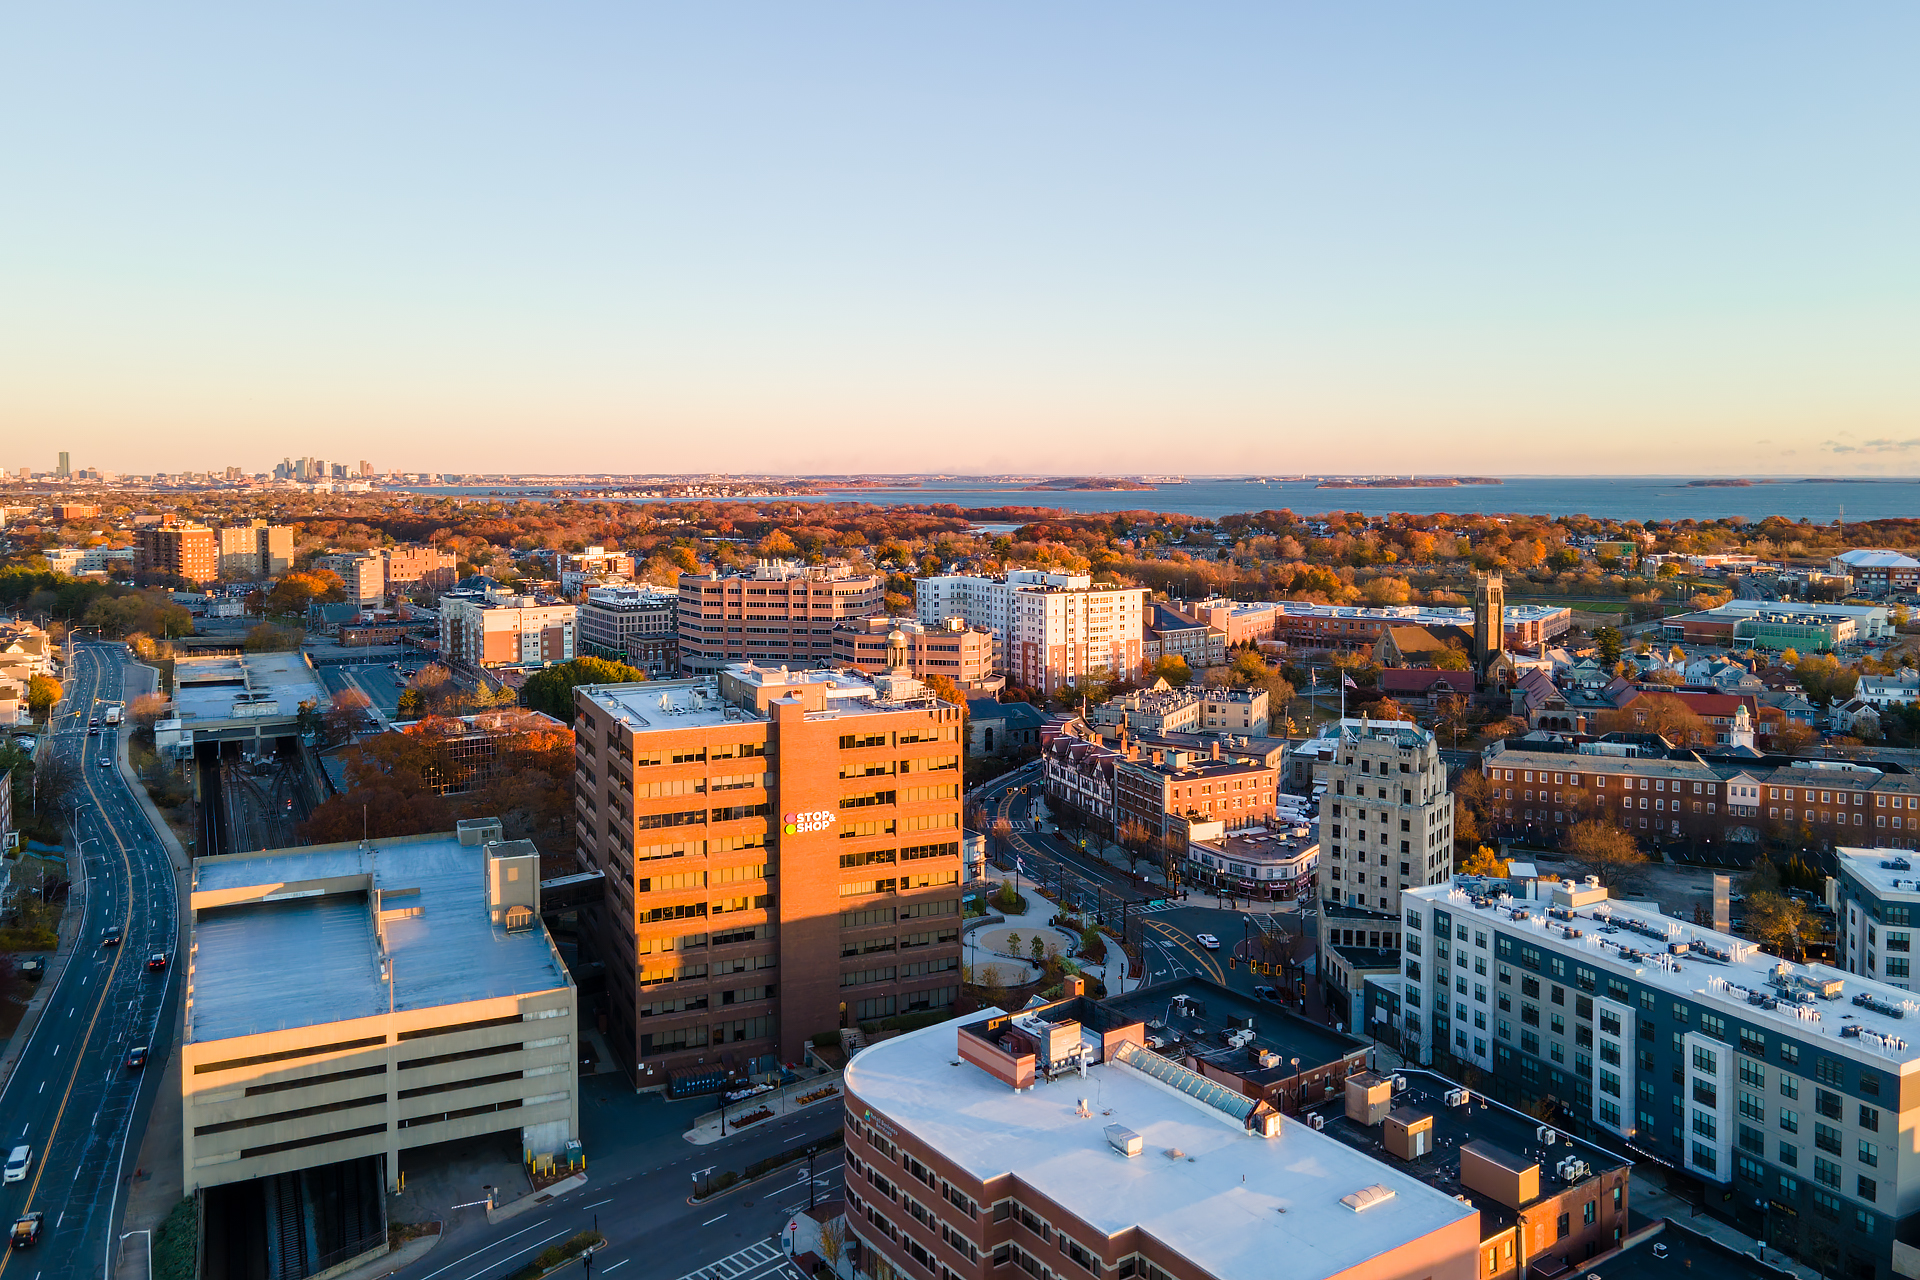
<point x="1250" y="240"/>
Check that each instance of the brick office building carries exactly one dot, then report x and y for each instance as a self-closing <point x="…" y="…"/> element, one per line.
<point x="1669" y="795"/>
<point x="782" y="612"/>
<point x="815" y="813"/>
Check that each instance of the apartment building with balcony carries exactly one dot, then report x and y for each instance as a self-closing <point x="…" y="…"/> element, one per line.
<point x="501" y="629"/>
<point x="783" y="857"/>
<point x="255" y="551"/>
<point x="781" y="613"/>
<point x="187" y="551"/>
<point x="1787" y="1090"/>
<point x="1052" y="629"/>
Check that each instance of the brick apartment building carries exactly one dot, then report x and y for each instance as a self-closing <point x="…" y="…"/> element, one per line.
<point x="952" y="649"/>
<point x="782" y="612"/>
<point x="429" y="567"/>
<point x="1155" y="787"/>
<point x="501" y="629"/>
<point x="783" y="857"/>
<point x="188" y="551"/>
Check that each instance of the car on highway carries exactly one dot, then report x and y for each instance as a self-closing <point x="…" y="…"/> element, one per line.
<point x="111" y="937"/>
<point x="94" y="723"/>
<point x="1208" y="941"/>
<point x="18" y="1161"/>
<point x="1267" y="993"/>
<point x="157" y="961"/>
<point x="105" y="763"/>
<point x="27" y="1228"/>
<point x="94" y="732"/>
<point x="136" y="1057"/>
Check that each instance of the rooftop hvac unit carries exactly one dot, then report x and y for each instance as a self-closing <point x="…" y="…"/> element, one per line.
<point x="1399" y="1084"/>
<point x="1546" y="1135"/>
<point x="1458" y="1097"/>
<point x="1317" y="1120"/>
<point x="1123" y="1140"/>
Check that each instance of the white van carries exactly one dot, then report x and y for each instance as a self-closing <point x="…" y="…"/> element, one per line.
<point x="17" y="1162"/>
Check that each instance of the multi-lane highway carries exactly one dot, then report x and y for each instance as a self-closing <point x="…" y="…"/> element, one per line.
<point x="71" y="1097"/>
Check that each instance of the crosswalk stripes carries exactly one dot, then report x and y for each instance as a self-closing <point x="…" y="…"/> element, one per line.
<point x="752" y="1261"/>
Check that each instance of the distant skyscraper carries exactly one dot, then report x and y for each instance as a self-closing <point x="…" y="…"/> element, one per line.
<point x="63" y="470"/>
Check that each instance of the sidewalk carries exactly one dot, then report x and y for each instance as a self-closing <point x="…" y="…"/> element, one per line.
<point x="1040" y="910"/>
<point x="782" y="1101"/>
<point x="1655" y="1201"/>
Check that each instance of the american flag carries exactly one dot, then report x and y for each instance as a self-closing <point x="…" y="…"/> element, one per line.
<point x="1347" y="680"/>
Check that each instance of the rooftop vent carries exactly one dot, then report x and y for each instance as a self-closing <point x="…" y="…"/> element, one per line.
<point x="1367" y="1197"/>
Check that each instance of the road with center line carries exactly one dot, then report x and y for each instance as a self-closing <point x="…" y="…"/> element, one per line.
<point x="71" y="1096"/>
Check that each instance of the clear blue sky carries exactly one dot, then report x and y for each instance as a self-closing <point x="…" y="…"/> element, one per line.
<point x="828" y="237"/>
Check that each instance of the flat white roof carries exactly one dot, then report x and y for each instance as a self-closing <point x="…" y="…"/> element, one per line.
<point x="1718" y="968"/>
<point x="1885" y="871"/>
<point x="1220" y="1203"/>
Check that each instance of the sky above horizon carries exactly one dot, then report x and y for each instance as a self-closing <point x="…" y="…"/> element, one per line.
<point x="1500" y="239"/>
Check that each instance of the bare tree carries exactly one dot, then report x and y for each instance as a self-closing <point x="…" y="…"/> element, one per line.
<point x="1603" y="849"/>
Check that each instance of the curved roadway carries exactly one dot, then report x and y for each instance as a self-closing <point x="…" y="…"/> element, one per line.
<point x="70" y="1096"/>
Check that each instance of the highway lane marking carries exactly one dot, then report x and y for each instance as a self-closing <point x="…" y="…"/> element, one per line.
<point x="597" y="1203"/>
<point x="484" y="1248"/>
<point x="74" y="1079"/>
<point x="616" y="1266"/>
<point x="710" y="1221"/>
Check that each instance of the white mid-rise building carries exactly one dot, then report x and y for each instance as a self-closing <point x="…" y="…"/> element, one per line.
<point x="1050" y="629"/>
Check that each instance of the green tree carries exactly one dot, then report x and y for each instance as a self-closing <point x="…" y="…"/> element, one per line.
<point x="1610" y="643"/>
<point x="551" y="690"/>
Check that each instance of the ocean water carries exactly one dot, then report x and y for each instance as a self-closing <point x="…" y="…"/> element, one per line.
<point x="1606" y="497"/>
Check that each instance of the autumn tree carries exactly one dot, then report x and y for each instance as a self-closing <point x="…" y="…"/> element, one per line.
<point x="1777" y="921"/>
<point x="1661" y="713"/>
<point x="144" y="710"/>
<point x="350" y="714"/>
<point x="43" y="695"/>
<point x="1483" y="862"/>
<point x="1602" y="849"/>
<point x="1173" y="669"/>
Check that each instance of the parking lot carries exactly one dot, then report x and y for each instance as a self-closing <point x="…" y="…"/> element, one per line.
<point x="378" y="680"/>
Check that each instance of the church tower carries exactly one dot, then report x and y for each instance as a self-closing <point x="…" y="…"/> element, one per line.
<point x="1489" y="621"/>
